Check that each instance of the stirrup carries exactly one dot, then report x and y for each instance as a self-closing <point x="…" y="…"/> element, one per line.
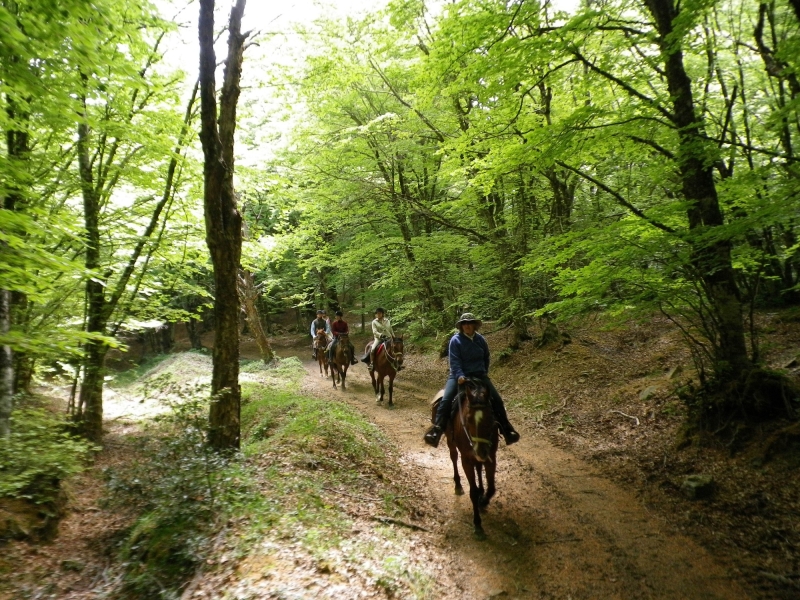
<point x="433" y="435"/>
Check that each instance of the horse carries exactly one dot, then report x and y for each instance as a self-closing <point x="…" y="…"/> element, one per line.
<point x="320" y="342"/>
<point x="388" y="360"/>
<point x="472" y="432"/>
<point x="341" y="360"/>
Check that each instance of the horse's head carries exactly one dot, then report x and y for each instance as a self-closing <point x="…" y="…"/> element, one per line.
<point x="321" y="337"/>
<point x="479" y="419"/>
<point x="397" y="349"/>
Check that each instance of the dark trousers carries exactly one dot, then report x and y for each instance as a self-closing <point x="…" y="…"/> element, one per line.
<point x="450" y="391"/>
<point x="332" y="350"/>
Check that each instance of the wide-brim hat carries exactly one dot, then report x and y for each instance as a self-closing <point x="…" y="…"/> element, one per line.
<point x="468" y="318"/>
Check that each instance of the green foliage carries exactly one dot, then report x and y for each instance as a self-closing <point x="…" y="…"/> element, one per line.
<point x="183" y="492"/>
<point x="186" y="494"/>
<point x="39" y="454"/>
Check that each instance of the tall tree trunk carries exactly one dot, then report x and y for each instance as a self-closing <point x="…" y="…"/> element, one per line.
<point x="6" y="370"/>
<point x="90" y="400"/>
<point x="17" y="149"/>
<point x="99" y="308"/>
<point x="711" y="259"/>
<point x="222" y="219"/>
<point x="249" y="296"/>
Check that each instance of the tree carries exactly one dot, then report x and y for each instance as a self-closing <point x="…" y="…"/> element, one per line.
<point x="223" y="221"/>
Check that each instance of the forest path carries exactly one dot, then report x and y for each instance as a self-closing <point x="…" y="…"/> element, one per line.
<point x="556" y="528"/>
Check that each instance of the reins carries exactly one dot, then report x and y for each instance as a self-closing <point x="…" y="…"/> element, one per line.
<point x="392" y="359"/>
<point x="472" y="440"/>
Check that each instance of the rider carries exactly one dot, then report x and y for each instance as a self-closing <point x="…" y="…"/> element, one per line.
<point x="381" y="329"/>
<point x="340" y="327"/>
<point x="469" y="357"/>
<point x="321" y="322"/>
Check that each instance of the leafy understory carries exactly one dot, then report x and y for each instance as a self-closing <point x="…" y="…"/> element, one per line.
<point x="293" y="513"/>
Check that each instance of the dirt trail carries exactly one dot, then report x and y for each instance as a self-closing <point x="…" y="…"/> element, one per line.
<point x="556" y="528"/>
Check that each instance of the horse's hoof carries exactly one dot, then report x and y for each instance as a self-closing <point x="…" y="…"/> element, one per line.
<point x="459" y="490"/>
<point x="480" y="535"/>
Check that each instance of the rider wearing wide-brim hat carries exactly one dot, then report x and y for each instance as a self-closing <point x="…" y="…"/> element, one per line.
<point x="469" y="357"/>
<point x="381" y="330"/>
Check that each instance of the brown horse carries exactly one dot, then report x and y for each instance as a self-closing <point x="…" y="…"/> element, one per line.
<point x="388" y="360"/>
<point x="342" y="356"/>
<point x="472" y="432"/>
<point x="320" y="342"/>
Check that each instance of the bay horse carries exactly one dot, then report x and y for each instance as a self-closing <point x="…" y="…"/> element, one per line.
<point x="342" y="356"/>
<point x="320" y="342"/>
<point x="388" y="360"/>
<point x="472" y="432"/>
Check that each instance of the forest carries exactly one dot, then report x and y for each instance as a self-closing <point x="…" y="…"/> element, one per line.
<point x="541" y="164"/>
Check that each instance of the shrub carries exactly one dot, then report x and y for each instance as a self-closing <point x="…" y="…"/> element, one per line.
<point x="37" y="455"/>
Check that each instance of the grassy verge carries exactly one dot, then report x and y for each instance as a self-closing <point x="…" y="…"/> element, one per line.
<point x="296" y="505"/>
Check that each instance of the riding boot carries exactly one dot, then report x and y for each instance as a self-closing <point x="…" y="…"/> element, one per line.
<point x="353" y="360"/>
<point x="509" y="433"/>
<point x="506" y="428"/>
<point x="434" y="434"/>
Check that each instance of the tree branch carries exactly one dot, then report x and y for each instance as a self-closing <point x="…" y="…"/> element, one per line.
<point x="618" y="198"/>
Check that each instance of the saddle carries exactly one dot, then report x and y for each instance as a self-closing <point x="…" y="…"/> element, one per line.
<point x="457" y="399"/>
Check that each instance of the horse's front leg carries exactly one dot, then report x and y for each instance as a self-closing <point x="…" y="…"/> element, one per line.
<point x="474" y="495"/>
<point x="379" y="391"/>
<point x="479" y="471"/>
<point x="451" y="445"/>
<point x="344" y="377"/>
<point x="391" y="389"/>
<point x="333" y="375"/>
<point x="491" y="469"/>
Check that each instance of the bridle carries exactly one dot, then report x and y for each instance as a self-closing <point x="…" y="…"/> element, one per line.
<point x="472" y="440"/>
<point x="393" y="359"/>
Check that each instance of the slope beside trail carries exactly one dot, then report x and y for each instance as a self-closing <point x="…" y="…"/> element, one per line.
<point x="556" y="528"/>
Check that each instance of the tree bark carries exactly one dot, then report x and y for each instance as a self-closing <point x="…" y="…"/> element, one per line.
<point x="90" y="400"/>
<point x="6" y="370"/>
<point x="711" y="259"/>
<point x="249" y="295"/>
<point x="222" y="219"/>
<point x="18" y="149"/>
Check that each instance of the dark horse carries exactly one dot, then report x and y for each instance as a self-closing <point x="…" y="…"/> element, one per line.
<point x="388" y="360"/>
<point x="342" y="355"/>
<point x="472" y="432"/>
<point x="320" y="342"/>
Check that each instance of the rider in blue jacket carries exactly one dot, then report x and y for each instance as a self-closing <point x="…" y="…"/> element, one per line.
<point x="469" y="357"/>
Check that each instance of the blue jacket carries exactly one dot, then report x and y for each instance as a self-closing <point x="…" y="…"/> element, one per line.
<point x="468" y="356"/>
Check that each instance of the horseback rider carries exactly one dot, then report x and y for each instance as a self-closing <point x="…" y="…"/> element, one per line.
<point x="381" y="331"/>
<point x="340" y="327"/>
<point x="469" y="357"/>
<point x="319" y="324"/>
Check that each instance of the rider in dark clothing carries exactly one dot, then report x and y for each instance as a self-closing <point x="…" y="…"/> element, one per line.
<point x="340" y="327"/>
<point x="469" y="357"/>
<point x="319" y="324"/>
